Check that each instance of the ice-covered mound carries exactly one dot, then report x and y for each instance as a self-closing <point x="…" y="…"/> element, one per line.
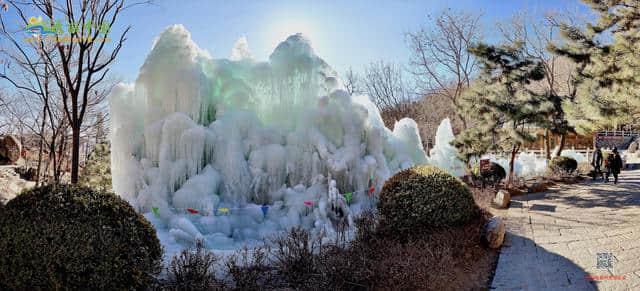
<point x="444" y="155"/>
<point x="526" y="164"/>
<point x="232" y="150"/>
<point x="580" y="158"/>
<point x="530" y="165"/>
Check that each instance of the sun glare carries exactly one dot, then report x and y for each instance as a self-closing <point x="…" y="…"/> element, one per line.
<point x="283" y="29"/>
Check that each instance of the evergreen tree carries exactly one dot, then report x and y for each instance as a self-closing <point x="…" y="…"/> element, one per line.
<point x="96" y="173"/>
<point x="608" y="57"/>
<point x="502" y="103"/>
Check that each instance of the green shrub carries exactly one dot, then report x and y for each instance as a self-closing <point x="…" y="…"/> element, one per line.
<point x="563" y="165"/>
<point x="422" y="198"/>
<point x="67" y="237"/>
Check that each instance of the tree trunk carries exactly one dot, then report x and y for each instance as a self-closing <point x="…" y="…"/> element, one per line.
<point x="41" y="146"/>
<point x="464" y="121"/>
<point x="53" y="159"/>
<point x="547" y="144"/>
<point x="75" y="154"/>
<point x="514" y="152"/>
<point x="563" y="139"/>
<point x="58" y="172"/>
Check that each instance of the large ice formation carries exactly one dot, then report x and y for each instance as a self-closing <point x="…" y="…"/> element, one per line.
<point x="232" y="150"/>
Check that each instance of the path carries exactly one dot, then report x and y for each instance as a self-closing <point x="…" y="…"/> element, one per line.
<point x="553" y="238"/>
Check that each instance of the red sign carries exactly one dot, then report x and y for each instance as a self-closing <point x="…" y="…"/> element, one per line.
<point x="485" y="165"/>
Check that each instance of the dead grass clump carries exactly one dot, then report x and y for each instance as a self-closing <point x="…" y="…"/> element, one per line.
<point x="453" y="258"/>
<point x="250" y="269"/>
<point x="193" y="269"/>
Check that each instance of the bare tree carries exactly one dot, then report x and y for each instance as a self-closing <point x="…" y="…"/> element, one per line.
<point x="441" y="62"/>
<point x="387" y="88"/>
<point x="352" y="82"/>
<point x="77" y="64"/>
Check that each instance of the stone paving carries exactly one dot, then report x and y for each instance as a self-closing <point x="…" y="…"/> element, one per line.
<point x="554" y="238"/>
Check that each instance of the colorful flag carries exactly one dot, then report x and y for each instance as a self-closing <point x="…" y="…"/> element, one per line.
<point x="348" y="197"/>
<point x="192" y="211"/>
<point x="264" y="208"/>
<point x="155" y="211"/>
<point x="223" y="211"/>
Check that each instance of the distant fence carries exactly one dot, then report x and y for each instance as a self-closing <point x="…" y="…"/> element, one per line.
<point x="542" y="153"/>
<point x="618" y="138"/>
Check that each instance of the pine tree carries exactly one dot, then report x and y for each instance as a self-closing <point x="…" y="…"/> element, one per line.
<point x="608" y="58"/>
<point x="96" y="173"/>
<point x="501" y="103"/>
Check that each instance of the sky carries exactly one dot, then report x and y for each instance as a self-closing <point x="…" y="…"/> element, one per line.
<point x="344" y="33"/>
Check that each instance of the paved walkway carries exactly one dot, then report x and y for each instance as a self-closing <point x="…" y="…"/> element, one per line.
<point x="554" y="238"/>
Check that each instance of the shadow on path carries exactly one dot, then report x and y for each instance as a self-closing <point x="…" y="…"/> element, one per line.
<point x="554" y="238"/>
<point x="624" y="194"/>
<point x="525" y="266"/>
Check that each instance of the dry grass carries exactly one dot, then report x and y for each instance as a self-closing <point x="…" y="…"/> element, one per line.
<point x="193" y="269"/>
<point x="445" y="259"/>
<point x="483" y="196"/>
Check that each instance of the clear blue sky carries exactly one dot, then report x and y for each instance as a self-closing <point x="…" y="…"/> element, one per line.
<point x="343" y="32"/>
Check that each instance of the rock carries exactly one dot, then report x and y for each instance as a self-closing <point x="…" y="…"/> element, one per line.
<point x="633" y="147"/>
<point x="494" y="232"/>
<point x="27" y="173"/>
<point x="11" y="184"/>
<point x="537" y="187"/>
<point x="10" y="149"/>
<point x="516" y="192"/>
<point x="502" y="199"/>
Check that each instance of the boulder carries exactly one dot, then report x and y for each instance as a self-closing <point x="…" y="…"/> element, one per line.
<point x="633" y="147"/>
<point x="10" y="149"/>
<point x="502" y="199"/>
<point x="516" y="191"/>
<point x="494" y="232"/>
<point x="27" y="173"/>
<point x="537" y="187"/>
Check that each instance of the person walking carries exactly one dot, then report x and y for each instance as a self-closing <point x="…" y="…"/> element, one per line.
<point x="613" y="164"/>
<point x="616" y="165"/>
<point x="596" y="162"/>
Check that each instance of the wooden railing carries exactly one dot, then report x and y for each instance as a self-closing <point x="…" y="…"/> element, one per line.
<point x="618" y="133"/>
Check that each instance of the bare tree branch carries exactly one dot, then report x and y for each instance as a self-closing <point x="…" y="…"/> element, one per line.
<point x="441" y="63"/>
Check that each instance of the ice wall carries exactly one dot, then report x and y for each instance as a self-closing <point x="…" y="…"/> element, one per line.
<point x="233" y="150"/>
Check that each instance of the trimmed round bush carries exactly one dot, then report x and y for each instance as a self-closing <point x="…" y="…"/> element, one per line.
<point x="423" y="198"/>
<point x="563" y="165"/>
<point x="74" y="238"/>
